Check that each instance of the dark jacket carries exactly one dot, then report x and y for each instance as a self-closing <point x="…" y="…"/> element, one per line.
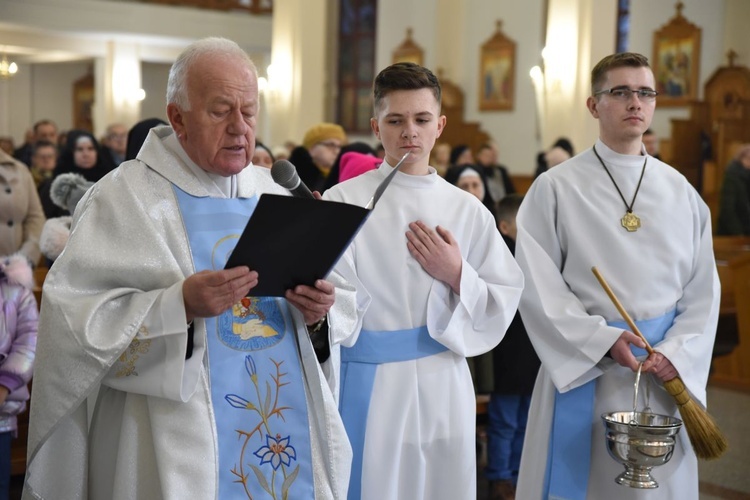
<point x="498" y="174"/>
<point x="308" y="173"/>
<point x="515" y="361"/>
<point x="734" y="207"/>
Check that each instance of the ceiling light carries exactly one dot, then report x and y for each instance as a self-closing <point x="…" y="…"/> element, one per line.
<point x="7" y="69"/>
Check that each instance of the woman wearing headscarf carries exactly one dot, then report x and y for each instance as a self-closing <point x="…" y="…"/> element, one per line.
<point x="82" y="155"/>
<point x="137" y="135"/>
<point x="263" y="157"/>
<point x="470" y="178"/>
<point x="334" y="176"/>
<point x="461" y="155"/>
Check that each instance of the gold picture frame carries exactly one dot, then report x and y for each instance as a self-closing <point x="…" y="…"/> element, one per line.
<point x="497" y="72"/>
<point x="676" y="60"/>
<point x="409" y="51"/>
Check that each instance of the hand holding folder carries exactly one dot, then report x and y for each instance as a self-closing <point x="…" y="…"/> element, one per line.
<point x="296" y="241"/>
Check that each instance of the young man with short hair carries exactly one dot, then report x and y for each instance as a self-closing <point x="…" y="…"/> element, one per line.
<point x="441" y="286"/>
<point x="648" y="232"/>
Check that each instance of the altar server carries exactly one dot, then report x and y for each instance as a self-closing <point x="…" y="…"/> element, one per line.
<point x="442" y="285"/>
<point x="648" y="232"/>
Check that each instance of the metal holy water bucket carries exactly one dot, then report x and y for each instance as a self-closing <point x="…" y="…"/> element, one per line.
<point x="640" y="441"/>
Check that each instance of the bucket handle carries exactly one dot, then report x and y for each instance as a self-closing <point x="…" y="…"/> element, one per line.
<point x="646" y="408"/>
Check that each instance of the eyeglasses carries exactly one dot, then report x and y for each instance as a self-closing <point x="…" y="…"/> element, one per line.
<point x="330" y="145"/>
<point x="624" y="93"/>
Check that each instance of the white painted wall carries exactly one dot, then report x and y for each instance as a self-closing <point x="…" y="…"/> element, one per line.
<point x="154" y="82"/>
<point x="43" y="91"/>
<point x="649" y="16"/>
<point x="300" y="77"/>
<point x="515" y="131"/>
<point x="450" y="31"/>
<point x="107" y="32"/>
<point x="735" y="30"/>
<point x="451" y="34"/>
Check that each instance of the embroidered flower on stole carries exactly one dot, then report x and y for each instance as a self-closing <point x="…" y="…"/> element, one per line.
<point x="276" y="451"/>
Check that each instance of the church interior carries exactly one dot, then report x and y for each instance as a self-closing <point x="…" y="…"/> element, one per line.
<point x="86" y="64"/>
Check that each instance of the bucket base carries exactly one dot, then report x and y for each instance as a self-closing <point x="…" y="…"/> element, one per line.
<point x="637" y="477"/>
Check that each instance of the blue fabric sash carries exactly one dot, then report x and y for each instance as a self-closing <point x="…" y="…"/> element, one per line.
<point x="569" y="456"/>
<point x="257" y="389"/>
<point x="358" y="366"/>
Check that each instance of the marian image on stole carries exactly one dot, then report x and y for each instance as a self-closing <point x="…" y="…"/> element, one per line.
<point x="256" y="379"/>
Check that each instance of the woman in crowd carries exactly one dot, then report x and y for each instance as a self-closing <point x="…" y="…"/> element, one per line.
<point x="82" y="155"/>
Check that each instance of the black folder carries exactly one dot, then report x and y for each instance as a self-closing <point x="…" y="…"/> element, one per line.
<point x="295" y="241"/>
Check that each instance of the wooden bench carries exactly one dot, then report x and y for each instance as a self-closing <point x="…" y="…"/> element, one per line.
<point x="522" y="183"/>
<point x="483" y="403"/>
<point x="731" y="365"/>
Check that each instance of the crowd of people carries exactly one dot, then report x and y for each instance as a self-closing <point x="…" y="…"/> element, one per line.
<point x="158" y="373"/>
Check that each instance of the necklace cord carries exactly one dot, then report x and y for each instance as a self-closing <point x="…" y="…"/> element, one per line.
<point x="643" y="171"/>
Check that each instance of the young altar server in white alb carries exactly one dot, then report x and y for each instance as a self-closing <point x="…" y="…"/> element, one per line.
<point x="648" y="232"/>
<point x="201" y="391"/>
<point x="442" y="286"/>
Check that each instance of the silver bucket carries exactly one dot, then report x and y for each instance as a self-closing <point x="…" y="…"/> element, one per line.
<point x="640" y="440"/>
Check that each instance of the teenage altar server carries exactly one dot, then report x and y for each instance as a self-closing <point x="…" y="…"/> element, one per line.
<point x="443" y="286"/>
<point x="648" y="232"/>
<point x="201" y="391"/>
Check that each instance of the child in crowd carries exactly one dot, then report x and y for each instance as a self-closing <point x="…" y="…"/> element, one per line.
<point x="515" y="365"/>
<point x="18" y="328"/>
<point x="436" y="284"/>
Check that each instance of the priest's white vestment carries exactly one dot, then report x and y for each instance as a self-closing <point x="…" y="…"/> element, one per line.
<point x="111" y="328"/>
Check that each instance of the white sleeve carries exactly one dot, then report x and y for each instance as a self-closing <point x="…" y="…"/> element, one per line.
<point x="569" y="341"/>
<point x="352" y="298"/>
<point x="689" y="342"/>
<point x="475" y="321"/>
<point x="154" y="363"/>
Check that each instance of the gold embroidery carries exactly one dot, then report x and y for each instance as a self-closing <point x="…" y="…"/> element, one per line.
<point x="128" y="358"/>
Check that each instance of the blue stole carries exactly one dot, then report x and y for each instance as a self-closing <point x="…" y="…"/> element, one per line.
<point x="569" y="454"/>
<point x="358" y="366"/>
<point x="257" y="389"/>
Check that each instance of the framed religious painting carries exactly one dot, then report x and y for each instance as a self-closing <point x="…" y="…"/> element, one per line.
<point x="408" y="51"/>
<point x="497" y="70"/>
<point x="676" y="61"/>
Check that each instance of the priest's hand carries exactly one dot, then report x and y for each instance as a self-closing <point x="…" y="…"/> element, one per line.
<point x="210" y="293"/>
<point x="659" y="365"/>
<point x="313" y="302"/>
<point x="437" y="252"/>
<point x="621" y="353"/>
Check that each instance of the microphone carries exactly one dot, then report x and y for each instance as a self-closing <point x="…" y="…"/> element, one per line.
<point x="285" y="175"/>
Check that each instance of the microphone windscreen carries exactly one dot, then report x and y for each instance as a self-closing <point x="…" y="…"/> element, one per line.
<point x="284" y="174"/>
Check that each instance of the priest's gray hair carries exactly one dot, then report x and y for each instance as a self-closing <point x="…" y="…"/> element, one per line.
<point x="177" y="92"/>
